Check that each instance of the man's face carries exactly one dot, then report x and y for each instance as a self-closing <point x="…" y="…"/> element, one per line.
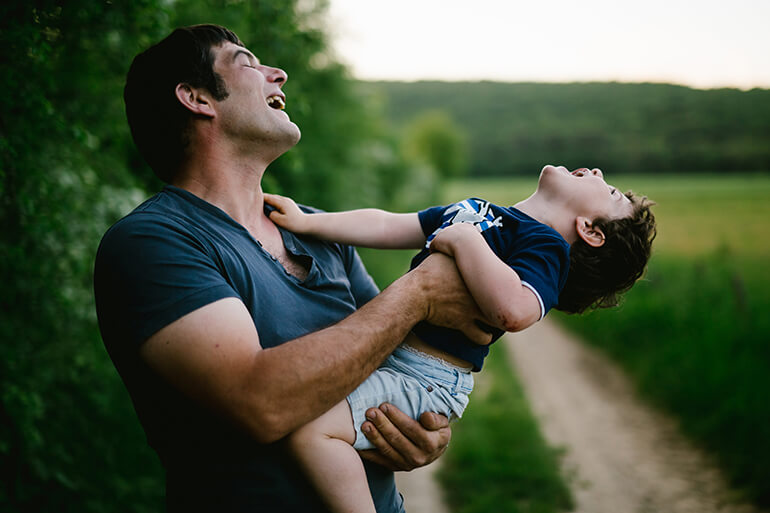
<point x="585" y="192"/>
<point x="253" y="109"/>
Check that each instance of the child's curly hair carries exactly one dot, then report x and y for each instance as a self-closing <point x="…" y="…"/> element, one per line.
<point x="599" y="276"/>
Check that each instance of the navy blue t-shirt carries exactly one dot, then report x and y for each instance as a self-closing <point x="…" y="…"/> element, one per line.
<point x="537" y="252"/>
<point x="174" y="254"/>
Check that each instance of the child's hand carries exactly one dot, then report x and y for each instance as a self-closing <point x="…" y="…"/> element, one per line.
<point x="452" y="236"/>
<point x="287" y="214"/>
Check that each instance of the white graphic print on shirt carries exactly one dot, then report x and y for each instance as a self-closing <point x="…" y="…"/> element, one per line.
<point x="476" y="212"/>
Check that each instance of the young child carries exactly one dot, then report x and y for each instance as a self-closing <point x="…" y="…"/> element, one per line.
<point x="575" y="243"/>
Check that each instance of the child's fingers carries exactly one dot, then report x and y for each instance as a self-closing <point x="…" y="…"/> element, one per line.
<point x="271" y="199"/>
<point x="277" y="201"/>
<point x="278" y="218"/>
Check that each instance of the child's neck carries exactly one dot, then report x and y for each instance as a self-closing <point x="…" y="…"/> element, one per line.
<point x="539" y="208"/>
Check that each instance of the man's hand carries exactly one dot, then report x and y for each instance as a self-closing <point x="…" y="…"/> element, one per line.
<point x="450" y="304"/>
<point x="401" y="442"/>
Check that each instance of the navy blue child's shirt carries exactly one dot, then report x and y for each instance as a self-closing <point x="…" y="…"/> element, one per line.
<point x="174" y="254"/>
<point x="537" y="252"/>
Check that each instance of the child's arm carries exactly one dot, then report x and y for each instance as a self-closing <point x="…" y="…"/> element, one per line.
<point x="495" y="287"/>
<point x="369" y="227"/>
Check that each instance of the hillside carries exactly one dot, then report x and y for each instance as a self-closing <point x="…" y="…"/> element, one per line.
<point x="513" y="128"/>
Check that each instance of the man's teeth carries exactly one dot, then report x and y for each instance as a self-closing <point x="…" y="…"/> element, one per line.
<point x="276" y="102"/>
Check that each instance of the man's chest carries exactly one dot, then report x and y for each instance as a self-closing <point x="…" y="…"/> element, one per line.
<point x="272" y="242"/>
<point x="296" y="265"/>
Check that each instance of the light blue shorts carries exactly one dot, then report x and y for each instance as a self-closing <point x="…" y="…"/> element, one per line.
<point x="414" y="382"/>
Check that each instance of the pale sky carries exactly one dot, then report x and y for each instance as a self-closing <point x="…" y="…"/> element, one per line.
<point x="700" y="43"/>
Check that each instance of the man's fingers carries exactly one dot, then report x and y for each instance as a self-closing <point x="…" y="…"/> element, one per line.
<point x="435" y="440"/>
<point x="394" y="426"/>
<point x="433" y="421"/>
<point x="375" y="456"/>
<point x="474" y="332"/>
<point x="380" y="431"/>
<point x="415" y="442"/>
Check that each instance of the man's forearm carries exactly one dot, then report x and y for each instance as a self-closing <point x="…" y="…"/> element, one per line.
<point x="316" y="371"/>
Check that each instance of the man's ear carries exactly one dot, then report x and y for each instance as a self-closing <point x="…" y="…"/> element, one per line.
<point x="195" y="99"/>
<point x="586" y="231"/>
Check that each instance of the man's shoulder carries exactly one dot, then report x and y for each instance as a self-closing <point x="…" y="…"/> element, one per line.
<point x="156" y="212"/>
<point x="151" y="222"/>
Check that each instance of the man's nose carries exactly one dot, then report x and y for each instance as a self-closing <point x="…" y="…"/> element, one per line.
<point x="275" y="75"/>
<point x="597" y="172"/>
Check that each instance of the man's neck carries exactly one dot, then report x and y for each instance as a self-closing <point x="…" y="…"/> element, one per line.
<point x="539" y="208"/>
<point x="232" y="183"/>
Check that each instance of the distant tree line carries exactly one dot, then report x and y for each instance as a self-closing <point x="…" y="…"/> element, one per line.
<point x="514" y="128"/>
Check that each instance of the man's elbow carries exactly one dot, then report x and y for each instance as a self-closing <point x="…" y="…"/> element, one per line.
<point x="264" y="423"/>
<point x="266" y="432"/>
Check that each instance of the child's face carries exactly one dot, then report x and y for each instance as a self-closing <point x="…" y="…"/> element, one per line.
<point x="584" y="192"/>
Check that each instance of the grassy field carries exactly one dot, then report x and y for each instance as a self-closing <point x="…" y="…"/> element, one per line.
<point x="697" y="214"/>
<point x="692" y="334"/>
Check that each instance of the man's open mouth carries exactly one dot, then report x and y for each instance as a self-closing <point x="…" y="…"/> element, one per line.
<point x="276" y="102"/>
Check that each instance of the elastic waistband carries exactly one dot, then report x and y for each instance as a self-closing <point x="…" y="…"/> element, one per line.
<point x="440" y="361"/>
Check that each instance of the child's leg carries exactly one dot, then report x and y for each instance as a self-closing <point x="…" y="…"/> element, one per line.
<point x="324" y="449"/>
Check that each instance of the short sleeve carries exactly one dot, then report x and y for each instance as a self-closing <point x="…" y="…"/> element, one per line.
<point x="361" y="283"/>
<point x="543" y="266"/>
<point x="431" y="219"/>
<point x="150" y="271"/>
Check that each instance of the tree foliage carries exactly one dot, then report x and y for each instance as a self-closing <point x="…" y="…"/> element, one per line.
<point x="69" y="439"/>
<point x="433" y="137"/>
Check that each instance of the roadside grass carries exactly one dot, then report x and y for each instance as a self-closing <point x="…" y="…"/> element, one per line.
<point x="498" y="460"/>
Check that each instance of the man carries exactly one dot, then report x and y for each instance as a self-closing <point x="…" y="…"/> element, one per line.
<point x="228" y="332"/>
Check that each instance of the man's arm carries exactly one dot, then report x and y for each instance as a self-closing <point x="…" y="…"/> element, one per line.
<point x="213" y="354"/>
<point x="369" y="227"/>
<point x="495" y="287"/>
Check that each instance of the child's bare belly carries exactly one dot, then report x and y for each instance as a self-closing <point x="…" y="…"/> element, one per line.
<point x="416" y="343"/>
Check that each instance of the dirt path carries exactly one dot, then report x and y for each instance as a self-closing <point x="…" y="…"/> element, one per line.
<point x="421" y="492"/>
<point x="623" y="456"/>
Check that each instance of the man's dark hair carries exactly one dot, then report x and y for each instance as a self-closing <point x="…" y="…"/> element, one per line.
<point x="157" y="119"/>
<point x="599" y="276"/>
